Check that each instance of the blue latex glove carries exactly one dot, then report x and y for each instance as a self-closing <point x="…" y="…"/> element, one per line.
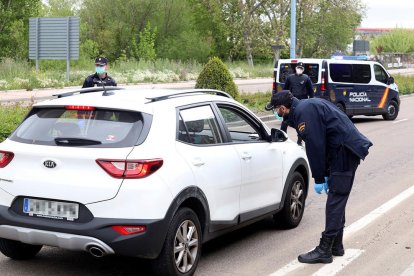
<point x="319" y="187"/>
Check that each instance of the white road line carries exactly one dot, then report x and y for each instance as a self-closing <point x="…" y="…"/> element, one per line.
<point x="399" y="121"/>
<point x="339" y="263"/>
<point x="373" y="215"/>
<point x="355" y="227"/>
<point x="409" y="271"/>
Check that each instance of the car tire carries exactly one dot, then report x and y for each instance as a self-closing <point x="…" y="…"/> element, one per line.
<point x="392" y="111"/>
<point x="294" y="204"/>
<point x="18" y="250"/>
<point x="180" y="255"/>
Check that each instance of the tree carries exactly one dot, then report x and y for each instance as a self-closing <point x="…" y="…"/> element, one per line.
<point x="61" y="8"/>
<point x="146" y="45"/>
<point x="14" y="25"/>
<point x="326" y="26"/>
<point x="397" y="41"/>
<point x="216" y="75"/>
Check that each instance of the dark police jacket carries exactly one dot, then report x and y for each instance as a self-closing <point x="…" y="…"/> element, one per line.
<point x="325" y="129"/>
<point x="93" y="80"/>
<point x="300" y="86"/>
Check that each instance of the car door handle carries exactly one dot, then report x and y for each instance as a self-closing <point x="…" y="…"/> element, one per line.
<point x="198" y="162"/>
<point x="246" y="156"/>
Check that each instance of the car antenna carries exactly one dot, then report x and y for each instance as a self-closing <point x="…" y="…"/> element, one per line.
<point x="105" y="93"/>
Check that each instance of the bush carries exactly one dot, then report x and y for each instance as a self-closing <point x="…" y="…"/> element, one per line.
<point x="215" y="75"/>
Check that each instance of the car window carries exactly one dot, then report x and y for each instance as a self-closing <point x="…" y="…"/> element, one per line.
<point x="198" y="126"/>
<point x="361" y="73"/>
<point x="72" y="127"/>
<point x="380" y="74"/>
<point x="240" y="129"/>
<point x="341" y="72"/>
<point x="350" y="73"/>
<point x="286" y="69"/>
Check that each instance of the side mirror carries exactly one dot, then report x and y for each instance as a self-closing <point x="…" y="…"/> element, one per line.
<point x="391" y="80"/>
<point x="277" y="135"/>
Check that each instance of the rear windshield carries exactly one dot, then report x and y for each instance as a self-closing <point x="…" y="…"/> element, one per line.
<point x="311" y="69"/>
<point x="90" y="128"/>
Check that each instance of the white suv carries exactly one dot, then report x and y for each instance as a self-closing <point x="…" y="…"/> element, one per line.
<point x="144" y="173"/>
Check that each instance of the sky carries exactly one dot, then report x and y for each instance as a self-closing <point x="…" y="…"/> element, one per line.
<point x="388" y="14"/>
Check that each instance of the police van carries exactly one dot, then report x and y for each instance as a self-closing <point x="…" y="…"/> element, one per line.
<point x="357" y="87"/>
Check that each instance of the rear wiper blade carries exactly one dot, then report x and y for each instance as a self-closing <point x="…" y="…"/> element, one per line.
<point x="66" y="141"/>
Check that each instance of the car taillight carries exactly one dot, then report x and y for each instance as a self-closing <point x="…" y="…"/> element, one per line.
<point x="323" y="87"/>
<point x="130" y="168"/>
<point x="274" y="87"/>
<point x="5" y="158"/>
<point x="129" y="229"/>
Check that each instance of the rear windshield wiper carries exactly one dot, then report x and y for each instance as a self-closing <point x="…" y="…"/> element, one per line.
<point x="65" y="141"/>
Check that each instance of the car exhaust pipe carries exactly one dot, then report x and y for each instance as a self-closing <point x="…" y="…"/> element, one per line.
<point x="96" y="251"/>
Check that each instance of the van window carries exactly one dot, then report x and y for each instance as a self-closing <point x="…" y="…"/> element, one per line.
<point x="350" y="73"/>
<point x="380" y="74"/>
<point x="341" y="72"/>
<point x="286" y="69"/>
<point x="361" y="73"/>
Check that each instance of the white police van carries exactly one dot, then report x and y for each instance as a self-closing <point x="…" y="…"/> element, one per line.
<point x="357" y="87"/>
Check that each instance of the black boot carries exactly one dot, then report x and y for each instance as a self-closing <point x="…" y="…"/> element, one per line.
<point x="337" y="246"/>
<point x="321" y="254"/>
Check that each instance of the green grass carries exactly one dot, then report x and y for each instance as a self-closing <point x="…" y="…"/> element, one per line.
<point x="21" y="74"/>
<point x="405" y="83"/>
<point x="10" y="117"/>
<point x="255" y="101"/>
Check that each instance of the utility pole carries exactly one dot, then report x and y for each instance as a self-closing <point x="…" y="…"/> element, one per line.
<point x="292" y="28"/>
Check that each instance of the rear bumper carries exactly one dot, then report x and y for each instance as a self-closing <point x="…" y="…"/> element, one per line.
<point x="81" y="236"/>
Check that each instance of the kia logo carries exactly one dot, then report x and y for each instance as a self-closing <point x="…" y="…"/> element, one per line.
<point x="49" y="164"/>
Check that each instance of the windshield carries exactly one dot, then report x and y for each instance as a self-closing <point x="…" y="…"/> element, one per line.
<point x="92" y="128"/>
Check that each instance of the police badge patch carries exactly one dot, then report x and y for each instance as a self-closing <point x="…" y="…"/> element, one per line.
<point x="301" y="127"/>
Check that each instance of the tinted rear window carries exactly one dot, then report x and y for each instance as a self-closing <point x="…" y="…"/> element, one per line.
<point x="350" y="73"/>
<point x="311" y="69"/>
<point x="94" y="128"/>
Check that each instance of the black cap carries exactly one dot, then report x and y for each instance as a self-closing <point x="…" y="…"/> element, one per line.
<point x="101" y="61"/>
<point x="283" y="97"/>
<point x="300" y="64"/>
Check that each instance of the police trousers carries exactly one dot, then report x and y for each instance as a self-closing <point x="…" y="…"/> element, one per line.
<point x="343" y="165"/>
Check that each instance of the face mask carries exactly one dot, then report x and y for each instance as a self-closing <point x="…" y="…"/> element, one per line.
<point x="277" y="116"/>
<point x="299" y="71"/>
<point x="100" y="69"/>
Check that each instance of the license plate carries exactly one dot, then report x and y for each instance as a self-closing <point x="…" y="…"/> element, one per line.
<point x="51" y="209"/>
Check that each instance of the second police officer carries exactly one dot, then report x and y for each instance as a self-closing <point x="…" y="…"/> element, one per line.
<point x="101" y="77"/>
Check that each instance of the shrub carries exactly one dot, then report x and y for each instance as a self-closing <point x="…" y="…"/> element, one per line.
<point x="215" y="75"/>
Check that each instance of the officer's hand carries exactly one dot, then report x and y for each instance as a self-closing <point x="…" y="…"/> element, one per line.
<point x="319" y="187"/>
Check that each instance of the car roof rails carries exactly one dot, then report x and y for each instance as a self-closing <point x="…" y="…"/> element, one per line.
<point x="88" y="90"/>
<point x="189" y="92"/>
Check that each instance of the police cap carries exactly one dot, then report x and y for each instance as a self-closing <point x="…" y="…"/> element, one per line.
<point x="283" y="97"/>
<point x="300" y="65"/>
<point x="101" y="61"/>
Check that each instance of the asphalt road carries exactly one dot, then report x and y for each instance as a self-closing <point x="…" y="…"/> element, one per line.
<point x="384" y="246"/>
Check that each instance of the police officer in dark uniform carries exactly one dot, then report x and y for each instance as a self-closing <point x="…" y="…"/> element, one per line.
<point x="301" y="87"/>
<point x="334" y="147"/>
<point x="101" y="77"/>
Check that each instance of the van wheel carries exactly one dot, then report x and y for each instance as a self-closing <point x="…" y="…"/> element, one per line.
<point x="182" y="246"/>
<point x="18" y="250"/>
<point x="392" y="111"/>
<point x="341" y="107"/>
<point x="294" y="204"/>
